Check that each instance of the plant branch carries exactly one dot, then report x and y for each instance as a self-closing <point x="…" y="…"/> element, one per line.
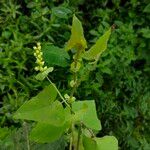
<point x="71" y="137"/>
<point x="26" y="134"/>
<point x="75" y="73"/>
<point x="79" y="135"/>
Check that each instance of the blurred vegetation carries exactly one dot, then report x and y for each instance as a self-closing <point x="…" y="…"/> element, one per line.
<point x="120" y="84"/>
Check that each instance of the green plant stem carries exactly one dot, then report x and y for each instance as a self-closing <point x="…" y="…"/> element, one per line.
<point x="26" y="134"/>
<point x="79" y="135"/>
<point x="71" y="137"/>
<point x="58" y="92"/>
<point x="75" y="73"/>
<point x="71" y="142"/>
<point x="75" y="86"/>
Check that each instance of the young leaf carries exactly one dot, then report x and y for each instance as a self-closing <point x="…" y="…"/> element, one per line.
<point x="98" y="48"/>
<point x="46" y="133"/>
<point x="77" y="39"/>
<point x="106" y="143"/>
<point x="88" y="116"/>
<point x="42" y="75"/>
<point x="55" y="56"/>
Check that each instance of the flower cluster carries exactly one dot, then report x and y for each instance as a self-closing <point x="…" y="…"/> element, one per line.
<point x="69" y="99"/>
<point x="39" y="59"/>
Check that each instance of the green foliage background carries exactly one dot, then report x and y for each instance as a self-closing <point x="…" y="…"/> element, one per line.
<point x="121" y="82"/>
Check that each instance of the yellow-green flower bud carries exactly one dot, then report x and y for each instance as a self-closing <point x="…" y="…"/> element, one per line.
<point x="37" y="61"/>
<point x="39" y="47"/>
<point x="34" y="47"/>
<point x="41" y="69"/>
<point x="36" y="68"/>
<point x="37" y="51"/>
<point x="39" y="57"/>
<point x="45" y="68"/>
<point x="41" y="63"/>
<point x="66" y="96"/>
<point x="38" y="44"/>
<point x="34" y="54"/>
<point x="72" y="83"/>
<point x="71" y="100"/>
<point x="41" y="53"/>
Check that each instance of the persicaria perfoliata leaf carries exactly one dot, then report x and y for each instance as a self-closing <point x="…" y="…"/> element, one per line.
<point x="104" y="143"/>
<point x="98" y="48"/>
<point x="46" y="133"/>
<point x="52" y="113"/>
<point x="43" y="108"/>
<point x="77" y="39"/>
<point x="89" y="143"/>
<point x="86" y="111"/>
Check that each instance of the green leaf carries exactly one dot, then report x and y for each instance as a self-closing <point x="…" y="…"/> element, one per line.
<point x="86" y="110"/>
<point x="77" y="39"/>
<point x="42" y="108"/>
<point x="145" y="32"/>
<point x="46" y="133"/>
<point x="106" y="143"/>
<point x="106" y="70"/>
<point x="50" y="113"/>
<point x="147" y="9"/>
<point x="89" y="143"/>
<point x="98" y="48"/>
<point x="42" y="75"/>
<point x="3" y="133"/>
<point x="61" y="12"/>
<point x="59" y="144"/>
<point x="55" y="56"/>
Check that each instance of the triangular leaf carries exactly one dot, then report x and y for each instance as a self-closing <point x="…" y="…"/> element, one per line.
<point x="88" y="115"/>
<point x="55" y="56"/>
<point x="42" y="108"/>
<point x="106" y="143"/>
<point x="77" y="39"/>
<point x="46" y="96"/>
<point x="50" y="113"/>
<point x="46" y="133"/>
<point x="100" y="46"/>
<point x="42" y="75"/>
